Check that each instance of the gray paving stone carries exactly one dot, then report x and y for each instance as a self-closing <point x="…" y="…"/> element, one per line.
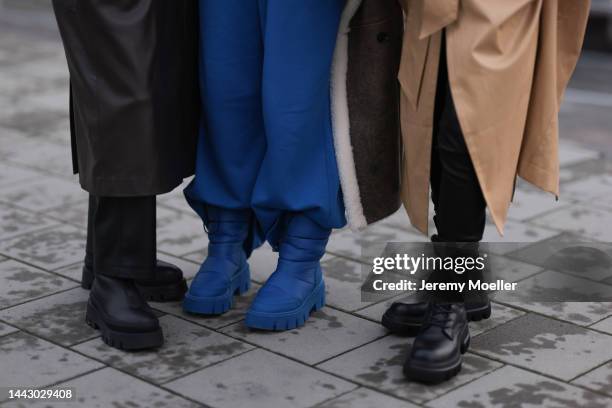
<point x="75" y="214"/>
<point x="187" y="348"/>
<point x="588" y="221"/>
<point x="6" y="329"/>
<point x="604" y="325"/>
<point x="571" y="153"/>
<point x="513" y="387"/>
<point x="350" y="244"/>
<point x="589" y="190"/>
<point x="570" y="253"/>
<point x="235" y="314"/>
<point x="326" y="334"/>
<point x="59" y="318"/>
<point x="516" y="235"/>
<point x="20" y="283"/>
<point x="343" y="281"/>
<point x="49" y="249"/>
<point x="500" y="314"/>
<point x="111" y="388"/>
<point x="375" y="311"/>
<point x="365" y="398"/>
<point x="43" y="194"/>
<point x="56" y="159"/>
<point x="379" y="365"/>
<point x="73" y="271"/>
<point x="527" y="204"/>
<point x="14" y="221"/>
<point x="600" y="379"/>
<point x="179" y="233"/>
<point x="10" y="174"/>
<point x="580" y="313"/>
<point x="260" y="379"/>
<point x="28" y="361"/>
<point x="551" y="347"/>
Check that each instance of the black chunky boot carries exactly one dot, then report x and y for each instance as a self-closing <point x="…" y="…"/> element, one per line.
<point x="166" y="285"/>
<point x="436" y="353"/>
<point x="124" y="318"/>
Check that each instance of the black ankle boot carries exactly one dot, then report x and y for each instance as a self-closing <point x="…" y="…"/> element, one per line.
<point x="124" y="318"/>
<point x="437" y="349"/>
<point x="166" y="285"/>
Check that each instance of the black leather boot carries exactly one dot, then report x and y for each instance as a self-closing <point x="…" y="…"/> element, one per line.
<point x="406" y="319"/>
<point x="167" y="284"/>
<point x="124" y="318"/>
<point x="436" y="353"/>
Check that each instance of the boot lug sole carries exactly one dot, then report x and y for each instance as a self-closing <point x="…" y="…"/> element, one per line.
<point x="288" y="320"/>
<point x="219" y="304"/>
<point x="127" y="341"/>
<point x="420" y="373"/>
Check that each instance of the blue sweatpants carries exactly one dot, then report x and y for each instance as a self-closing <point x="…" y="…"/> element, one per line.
<point x="266" y="140"/>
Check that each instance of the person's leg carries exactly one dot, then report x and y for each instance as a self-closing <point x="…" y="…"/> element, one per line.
<point x="297" y="197"/>
<point x="460" y="220"/>
<point x="165" y="284"/>
<point x="124" y="250"/>
<point x="230" y="150"/>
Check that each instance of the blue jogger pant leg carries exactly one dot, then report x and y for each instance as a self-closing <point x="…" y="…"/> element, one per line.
<point x="266" y="139"/>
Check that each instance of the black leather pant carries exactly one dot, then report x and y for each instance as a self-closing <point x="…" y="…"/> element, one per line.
<point x="458" y="201"/>
<point x="121" y="240"/>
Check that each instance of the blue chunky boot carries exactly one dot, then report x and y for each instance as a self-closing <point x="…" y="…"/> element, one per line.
<point x="296" y="288"/>
<point x="225" y="272"/>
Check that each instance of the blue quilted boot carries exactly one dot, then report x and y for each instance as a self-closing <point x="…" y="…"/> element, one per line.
<point x="296" y="288"/>
<point x="225" y="272"/>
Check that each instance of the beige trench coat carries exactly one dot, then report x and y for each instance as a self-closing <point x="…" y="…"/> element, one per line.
<point x="509" y="62"/>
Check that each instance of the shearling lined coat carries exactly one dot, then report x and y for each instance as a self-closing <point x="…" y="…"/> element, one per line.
<point x="509" y="63"/>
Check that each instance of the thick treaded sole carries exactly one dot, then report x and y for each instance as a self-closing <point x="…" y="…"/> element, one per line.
<point x="128" y="341"/>
<point x="163" y="293"/>
<point x="217" y="305"/>
<point x="411" y="328"/>
<point x="291" y="319"/>
<point x="421" y="373"/>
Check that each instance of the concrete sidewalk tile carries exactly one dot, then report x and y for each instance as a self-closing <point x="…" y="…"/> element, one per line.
<point x="572" y="153"/>
<point x="260" y="379"/>
<point x="75" y="214"/>
<point x="343" y="281"/>
<point x="579" y="313"/>
<point x="570" y="253"/>
<point x="327" y="333"/>
<point x="235" y="314"/>
<point x="74" y="271"/>
<point x="500" y="314"/>
<point x="6" y="329"/>
<point x="14" y="221"/>
<point x="350" y="244"/>
<point x="262" y="263"/>
<point x="56" y="159"/>
<point x="379" y="365"/>
<point x="513" y="387"/>
<point x="376" y="311"/>
<point x="43" y="193"/>
<point x="589" y="189"/>
<point x="20" y="283"/>
<point x="10" y="174"/>
<point x="179" y="233"/>
<point x="527" y="204"/>
<point x="111" y="388"/>
<point x="516" y="235"/>
<point x="590" y="222"/>
<point x="187" y="347"/>
<point x="605" y="325"/>
<point x="50" y="249"/>
<point x="365" y="398"/>
<point x="29" y="362"/>
<point x="551" y="347"/>
<point x="600" y="380"/>
<point x="59" y="318"/>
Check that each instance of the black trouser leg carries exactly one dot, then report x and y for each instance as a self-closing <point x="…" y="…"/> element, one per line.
<point x="458" y="200"/>
<point x="121" y="236"/>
